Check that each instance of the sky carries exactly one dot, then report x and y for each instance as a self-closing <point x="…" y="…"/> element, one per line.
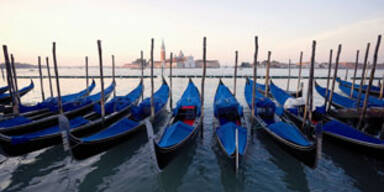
<point x="125" y="27"/>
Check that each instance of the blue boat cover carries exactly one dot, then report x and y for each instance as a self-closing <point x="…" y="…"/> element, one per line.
<point x="160" y="98"/>
<point x="289" y="132"/>
<point x="349" y="84"/>
<point x="337" y="98"/>
<point x="117" y="128"/>
<point x="227" y="135"/>
<point x="372" y="101"/>
<point x="175" y="133"/>
<point x="18" y="139"/>
<point x="224" y="100"/>
<point x="21" y="91"/>
<point x="264" y="105"/>
<point x="52" y="101"/>
<point x="3" y="89"/>
<point x="190" y="97"/>
<point x="14" y="121"/>
<point x="120" y="102"/>
<point x="346" y="131"/>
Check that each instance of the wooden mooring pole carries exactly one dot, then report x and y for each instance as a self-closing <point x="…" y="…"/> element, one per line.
<point x="363" y="74"/>
<point x="328" y="78"/>
<point x="152" y="83"/>
<point x="49" y="77"/>
<point x="267" y="75"/>
<point x="299" y="78"/>
<point x="41" y="78"/>
<point x="354" y="73"/>
<point x="235" y="75"/>
<point x="102" y="106"/>
<point x="365" y="105"/>
<point x="203" y="83"/>
<point x="334" y="77"/>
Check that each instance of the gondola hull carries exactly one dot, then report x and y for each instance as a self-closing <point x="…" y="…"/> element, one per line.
<point x="375" y="151"/>
<point x="7" y="99"/>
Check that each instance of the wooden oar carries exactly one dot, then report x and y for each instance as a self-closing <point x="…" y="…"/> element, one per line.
<point x="299" y="79"/>
<point x="202" y="84"/>
<point x="41" y="78"/>
<point x="289" y="74"/>
<point x="354" y="73"/>
<point x="334" y="77"/>
<point x="170" y="82"/>
<point x="362" y="116"/>
<point x="101" y="80"/>
<point x="328" y="78"/>
<point x="235" y="75"/>
<point x="363" y="75"/>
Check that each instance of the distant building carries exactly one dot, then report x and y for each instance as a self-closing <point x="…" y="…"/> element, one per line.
<point x="210" y="63"/>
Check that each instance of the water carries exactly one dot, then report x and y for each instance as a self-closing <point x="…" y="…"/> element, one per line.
<point x="129" y="167"/>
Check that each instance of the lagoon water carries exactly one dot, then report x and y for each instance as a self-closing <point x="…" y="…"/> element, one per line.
<point x="130" y="167"/>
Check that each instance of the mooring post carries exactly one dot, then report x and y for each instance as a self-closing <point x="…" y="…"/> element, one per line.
<point x="100" y="51"/>
<point x="235" y="75"/>
<point x="299" y="79"/>
<point x="49" y="77"/>
<point x="9" y="75"/>
<point x="309" y="99"/>
<point x="60" y="104"/>
<point x="203" y="83"/>
<point x="381" y="88"/>
<point x="328" y="78"/>
<point x="354" y="73"/>
<point x="152" y="84"/>
<point x="365" y="105"/>
<point x="363" y="75"/>
<point x="86" y="75"/>
<point x="289" y="73"/>
<point x="17" y="94"/>
<point x="334" y="77"/>
<point x="170" y="81"/>
<point x="113" y="74"/>
<point x="41" y="78"/>
<point x="254" y="77"/>
<point x="267" y="75"/>
<point x="2" y="72"/>
<point x="346" y="73"/>
<point x="142" y="72"/>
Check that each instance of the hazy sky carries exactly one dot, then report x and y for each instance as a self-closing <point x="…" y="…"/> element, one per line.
<point x="125" y="27"/>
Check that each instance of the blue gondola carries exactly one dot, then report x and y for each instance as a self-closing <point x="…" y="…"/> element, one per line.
<point x="5" y="98"/>
<point x="21" y="124"/>
<point x="52" y="101"/>
<point x="373" y="101"/>
<point x="91" y="122"/>
<point x="85" y="146"/>
<point x="3" y="89"/>
<point x="375" y="90"/>
<point x="229" y="119"/>
<point x="334" y="129"/>
<point x="338" y="101"/>
<point x="286" y="134"/>
<point x="182" y="128"/>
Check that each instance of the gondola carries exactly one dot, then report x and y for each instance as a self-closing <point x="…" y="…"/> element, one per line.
<point x="52" y="101"/>
<point x="117" y="107"/>
<point x="373" y="101"/>
<point x="375" y="90"/>
<point x="261" y="88"/>
<point x="338" y="101"/>
<point x="286" y="134"/>
<point x="6" y="98"/>
<point x="333" y="129"/>
<point x="22" y="124"/>
<point x="3" y="89"/>
<point x="229" y="121"/>
<point x="84" y="146"/>
<point x="182" y="128"/>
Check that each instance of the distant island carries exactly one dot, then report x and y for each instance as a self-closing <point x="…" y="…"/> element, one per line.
<point x="20" y="65"/>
